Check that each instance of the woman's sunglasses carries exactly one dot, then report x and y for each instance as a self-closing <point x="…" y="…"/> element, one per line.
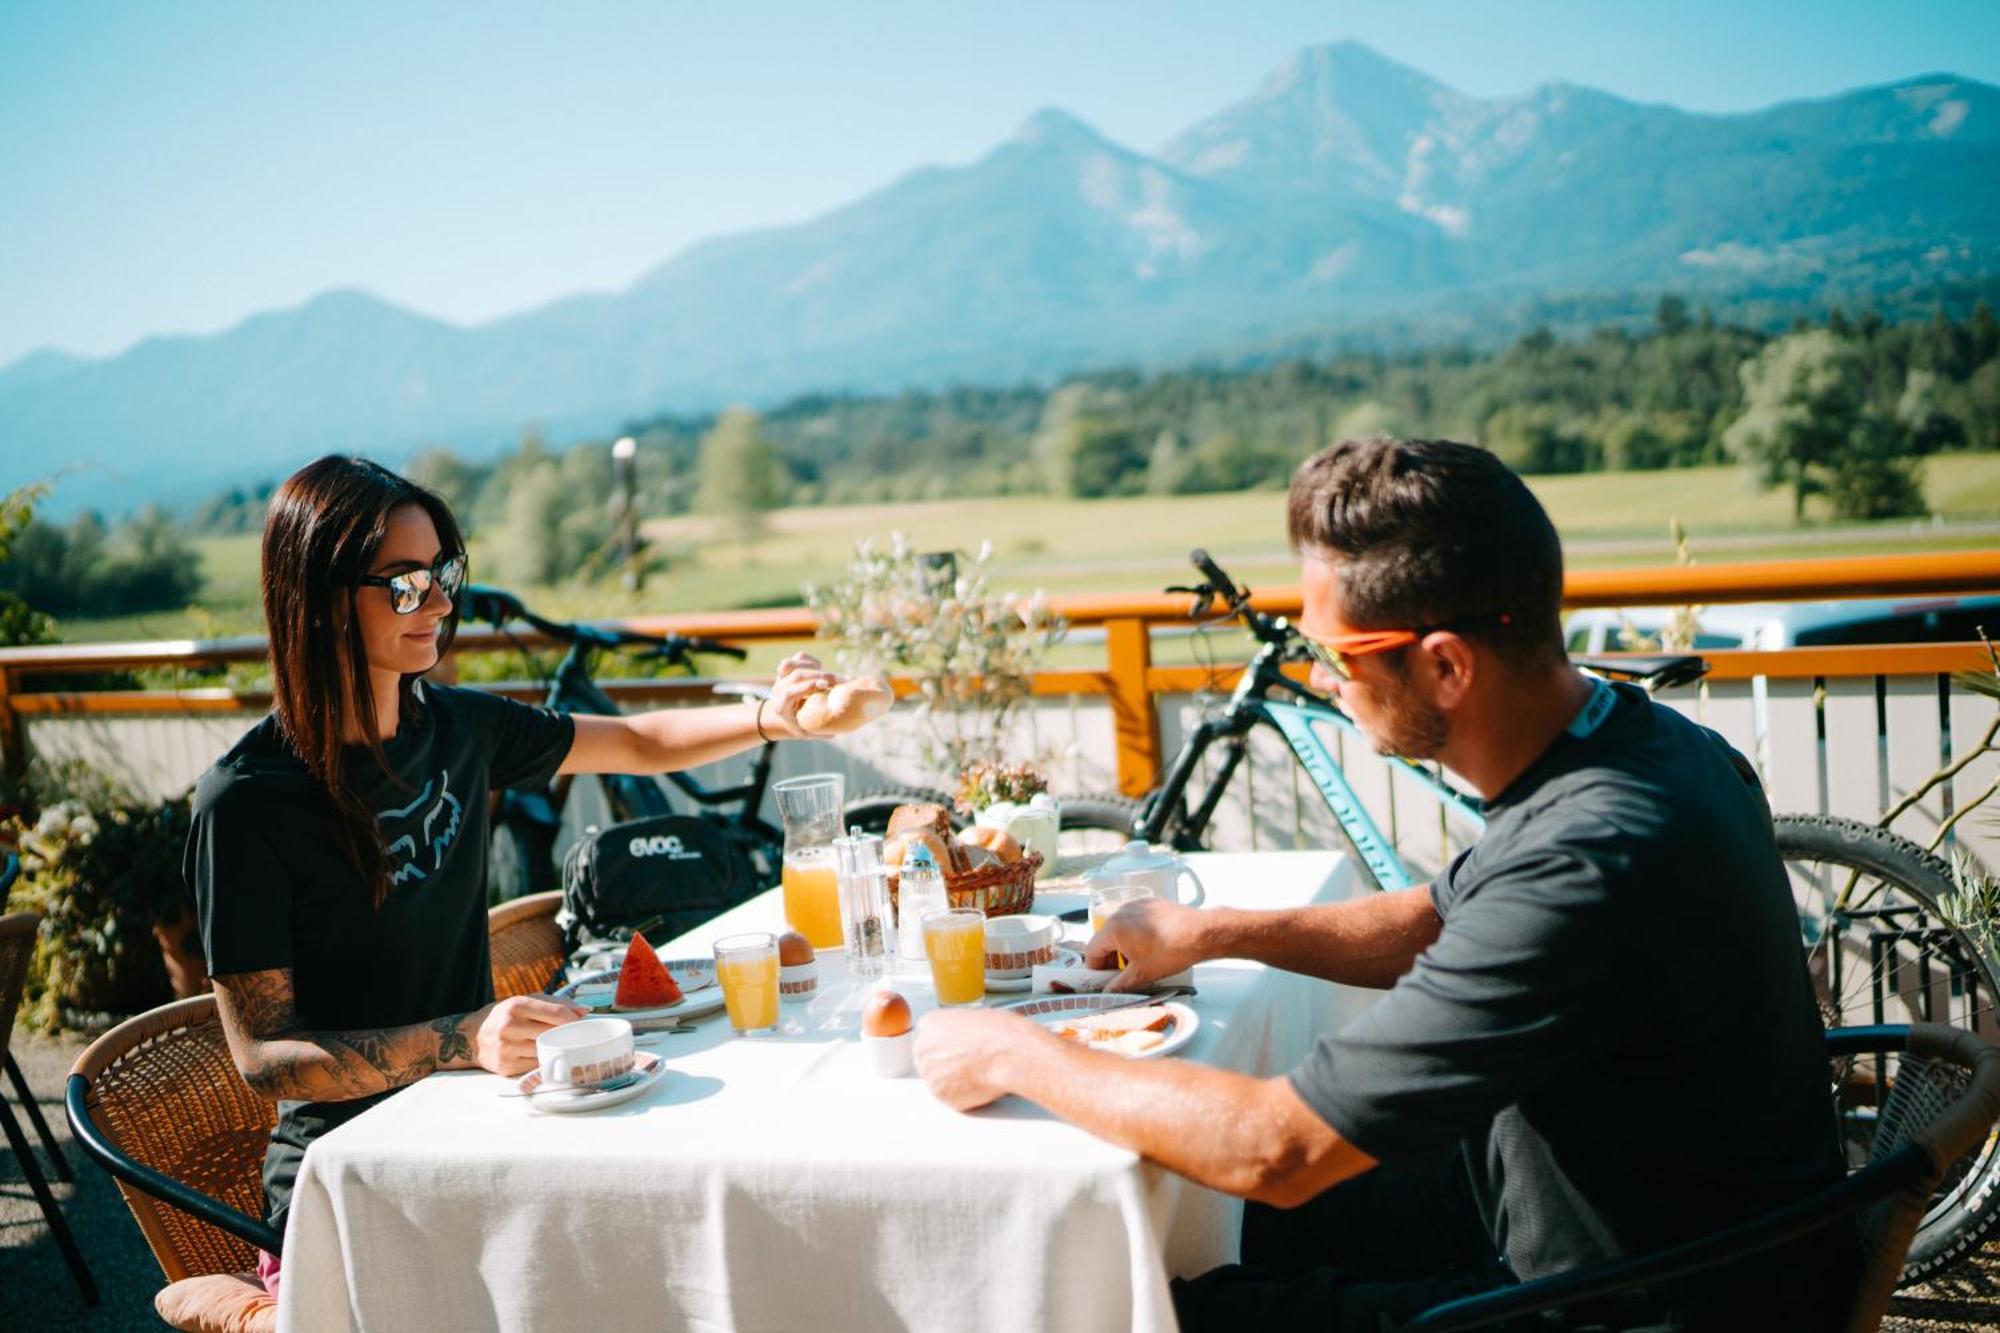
<point x="1334" y="651"/>
<point x="412" y="588"/>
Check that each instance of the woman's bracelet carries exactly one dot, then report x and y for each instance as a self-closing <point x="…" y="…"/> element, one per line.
<point x="760" y="721"/>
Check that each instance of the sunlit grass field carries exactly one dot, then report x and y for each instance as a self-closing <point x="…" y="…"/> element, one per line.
<point x="1141" y="544"/>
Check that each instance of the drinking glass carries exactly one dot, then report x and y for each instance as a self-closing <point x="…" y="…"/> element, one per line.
<point x="746" y="967"/>
<point x="810" y="807"/>
<point x="955" y="941"/>
<point x="1106" y="899"/>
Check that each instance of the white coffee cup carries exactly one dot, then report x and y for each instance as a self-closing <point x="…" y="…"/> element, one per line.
<point x="1015" y="944"/>
<point x="585" y="1053"/>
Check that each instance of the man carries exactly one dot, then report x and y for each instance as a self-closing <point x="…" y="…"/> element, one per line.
<point x="1599" y="1036"/>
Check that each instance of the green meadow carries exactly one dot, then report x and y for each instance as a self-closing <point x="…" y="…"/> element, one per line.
<point x="1140" y="544"/>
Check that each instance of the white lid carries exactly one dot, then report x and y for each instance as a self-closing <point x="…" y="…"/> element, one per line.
<point x="1136" y="856"/>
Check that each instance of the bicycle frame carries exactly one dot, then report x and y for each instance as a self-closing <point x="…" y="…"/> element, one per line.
<point x="1165" y="816"/>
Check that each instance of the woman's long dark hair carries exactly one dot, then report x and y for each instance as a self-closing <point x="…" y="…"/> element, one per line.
<point x="321" y="534"/>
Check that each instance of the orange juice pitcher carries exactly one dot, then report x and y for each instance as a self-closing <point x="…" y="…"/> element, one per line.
<point x="810" y="807"/>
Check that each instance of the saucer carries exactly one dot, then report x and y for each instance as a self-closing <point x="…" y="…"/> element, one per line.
<point x="649" y="1066"/>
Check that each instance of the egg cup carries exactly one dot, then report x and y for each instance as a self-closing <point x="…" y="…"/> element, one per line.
<point x="799" y="983"/>
<point x="892" y="1057"/>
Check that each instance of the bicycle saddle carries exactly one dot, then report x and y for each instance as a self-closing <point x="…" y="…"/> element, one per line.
<point x="1656" y="671"/>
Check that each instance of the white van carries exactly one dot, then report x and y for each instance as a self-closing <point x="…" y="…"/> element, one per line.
<point x="1765" y="626"/>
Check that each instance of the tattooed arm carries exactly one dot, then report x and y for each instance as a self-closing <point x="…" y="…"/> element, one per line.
<point x="280" y="1058"/>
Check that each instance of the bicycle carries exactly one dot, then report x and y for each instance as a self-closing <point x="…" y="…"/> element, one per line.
<point x="521" y="852"/>
<point x="1882" y="942"/>
<point x="525" y="824"/>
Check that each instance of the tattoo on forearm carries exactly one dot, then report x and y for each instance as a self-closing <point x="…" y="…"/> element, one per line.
<point x="260" y="1017"/>
<point x="452" y="1044"/>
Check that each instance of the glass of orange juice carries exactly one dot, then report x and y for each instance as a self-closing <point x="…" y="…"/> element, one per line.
<point x="1106" y="899"/>
<point x="955" y="942"/>
<point x="810" y="807"/>
<point x="746" y="967"/>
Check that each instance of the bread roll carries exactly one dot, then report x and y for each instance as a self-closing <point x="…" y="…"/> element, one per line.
<point x="994" y="840"/>
<point x="920" y="818"/>
<point x="978" y="858"/>
<point x="848" y="706"/>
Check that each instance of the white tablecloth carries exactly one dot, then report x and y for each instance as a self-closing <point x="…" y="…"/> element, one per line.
<point x="777" y="1184"/>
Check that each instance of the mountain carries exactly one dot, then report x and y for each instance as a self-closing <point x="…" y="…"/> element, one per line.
<point x="1345" y="192"/>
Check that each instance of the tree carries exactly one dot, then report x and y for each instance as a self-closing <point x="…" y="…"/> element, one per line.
<point x="740" y="477"/>
<point x="1801" y="404"/>
<point x="530" y="546"/>
<point x="19" y="622"/>
<point x="1873" y="477"/>
<point x="443" y="471"/>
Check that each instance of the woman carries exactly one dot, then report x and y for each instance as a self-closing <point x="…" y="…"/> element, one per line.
<point x="338" y="854"/>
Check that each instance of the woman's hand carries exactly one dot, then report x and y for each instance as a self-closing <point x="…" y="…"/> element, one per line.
<point x="799" y="678"/>
<point x="504" y="1032"/>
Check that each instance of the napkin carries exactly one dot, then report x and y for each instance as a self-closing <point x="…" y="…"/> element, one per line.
<point x="1057" y="979"/>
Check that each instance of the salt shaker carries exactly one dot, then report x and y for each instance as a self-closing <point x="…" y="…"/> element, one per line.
<point x="921" y="891"/>
<point x="864" y="902"/>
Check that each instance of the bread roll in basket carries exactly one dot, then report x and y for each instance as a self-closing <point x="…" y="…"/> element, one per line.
<point x="999" y="888"/>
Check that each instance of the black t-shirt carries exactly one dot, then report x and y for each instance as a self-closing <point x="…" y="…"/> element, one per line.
<point x="1616" y="1018"/>
<point x="274" y="890"/>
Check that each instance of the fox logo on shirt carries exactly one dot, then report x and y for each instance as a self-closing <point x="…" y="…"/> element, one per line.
<point x="436" y="829"/>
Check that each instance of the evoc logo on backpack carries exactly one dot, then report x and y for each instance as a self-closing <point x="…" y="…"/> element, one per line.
<point x="666" y="845"/>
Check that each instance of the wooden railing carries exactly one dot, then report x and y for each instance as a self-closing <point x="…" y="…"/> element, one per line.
<point x="1129" y="680"/>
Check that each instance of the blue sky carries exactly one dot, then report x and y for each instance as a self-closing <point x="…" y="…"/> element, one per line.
<point x="175" y="167"/>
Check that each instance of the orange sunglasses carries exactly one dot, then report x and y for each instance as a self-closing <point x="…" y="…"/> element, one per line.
<point x="1332" y="652"/>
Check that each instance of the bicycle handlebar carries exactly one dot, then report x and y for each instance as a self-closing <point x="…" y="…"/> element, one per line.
<point x="497" y="606"/>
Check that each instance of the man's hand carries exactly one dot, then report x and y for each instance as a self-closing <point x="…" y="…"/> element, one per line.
<point x="800" y="676"/>
<point x="1158" y="938"/>
<point x="504" y="1032"/>
<point x="962" y="1053"/>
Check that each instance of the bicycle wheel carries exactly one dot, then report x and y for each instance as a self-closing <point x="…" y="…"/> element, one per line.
<point x="1881" y="949"/>
<point x="1096" y="823"/>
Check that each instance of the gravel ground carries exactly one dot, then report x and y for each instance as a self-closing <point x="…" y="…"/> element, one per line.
<point x="40" y="1295"/>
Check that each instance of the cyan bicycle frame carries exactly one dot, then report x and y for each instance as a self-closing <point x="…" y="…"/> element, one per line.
<point x="1295" y="721"/>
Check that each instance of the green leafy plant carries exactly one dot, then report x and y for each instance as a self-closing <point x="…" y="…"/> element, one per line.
<point x="934" y="618"/>
<point x="103" y="869"/>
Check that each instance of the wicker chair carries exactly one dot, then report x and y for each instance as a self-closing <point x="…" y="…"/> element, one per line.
<point x="1927" y="1124"/>
<point x="527" y="947"/>
<point x="158" y="1103"/>
<point x="17" y="942"/>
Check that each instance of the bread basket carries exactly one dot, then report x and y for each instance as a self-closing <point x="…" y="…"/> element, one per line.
<point x="997" y="890"/>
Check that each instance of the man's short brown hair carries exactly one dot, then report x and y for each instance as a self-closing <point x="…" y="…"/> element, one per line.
<point x="1433" y="533"/>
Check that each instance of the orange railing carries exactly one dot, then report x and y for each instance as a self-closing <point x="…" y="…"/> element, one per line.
<point x="1129" y="680"/>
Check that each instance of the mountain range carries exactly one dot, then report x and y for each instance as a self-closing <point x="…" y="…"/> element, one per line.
<point x="1344" y="192"/>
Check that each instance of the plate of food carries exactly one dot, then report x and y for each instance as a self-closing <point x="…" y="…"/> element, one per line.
<point x="1115" y="1023"/>
<point x="647" y="988"/>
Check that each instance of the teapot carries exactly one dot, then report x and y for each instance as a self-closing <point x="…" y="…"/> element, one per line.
<point x="1159" y="869"/>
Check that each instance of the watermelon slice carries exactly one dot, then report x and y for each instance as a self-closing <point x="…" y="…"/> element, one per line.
<point x="644" y="982"/>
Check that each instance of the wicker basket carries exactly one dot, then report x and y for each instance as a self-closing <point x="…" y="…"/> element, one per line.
<point x="999" y="890"/>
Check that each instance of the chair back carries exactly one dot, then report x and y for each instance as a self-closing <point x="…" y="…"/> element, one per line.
<point x="17" y="946"/>
<point x="1945" y="1101"/>
<point x="160" y="1092"/>
<point x="526" y="944"/>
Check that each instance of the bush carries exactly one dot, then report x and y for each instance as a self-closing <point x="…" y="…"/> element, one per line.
<point x="102" y="869"/>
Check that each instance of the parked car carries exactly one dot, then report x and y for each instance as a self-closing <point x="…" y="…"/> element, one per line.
<point x="1771" y="625"/>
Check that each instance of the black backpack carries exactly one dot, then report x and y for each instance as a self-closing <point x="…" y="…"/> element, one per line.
<point x="664" y="874"/>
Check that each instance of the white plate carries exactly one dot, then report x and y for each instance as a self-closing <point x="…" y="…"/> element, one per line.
<point x="1065" y="957"/>
<point x="695" y="976"/>
<point x="1047" y="1008"/>
<point x="651" y="1070"/>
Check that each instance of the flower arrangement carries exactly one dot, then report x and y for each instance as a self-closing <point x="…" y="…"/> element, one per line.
<point x="934" y="618"/>
<point x="989" y="783"/>
<point x="104" y="871"/>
